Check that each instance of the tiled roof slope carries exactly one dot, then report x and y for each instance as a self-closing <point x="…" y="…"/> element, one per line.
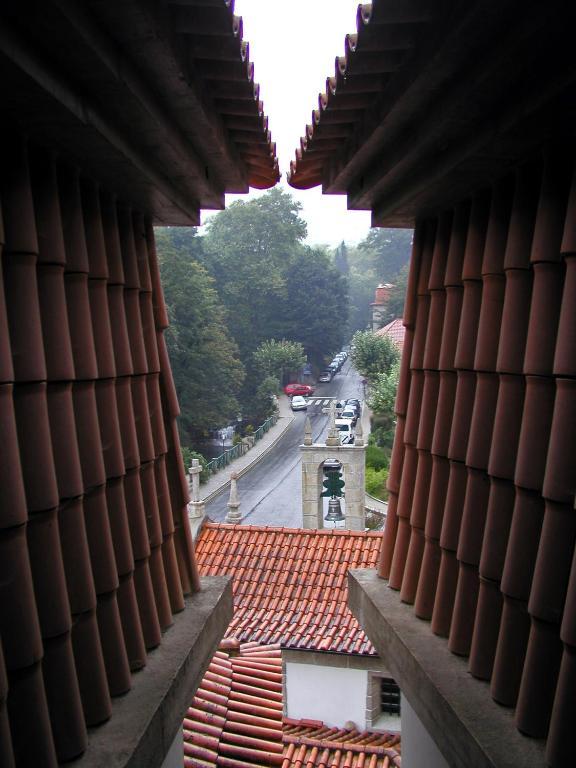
<point x="312" y="744"/>
<point x="481" y="528"/>
<point x="395" y="331"/>
<point x="236" y="716"/>
<point x="155" y="100"/>
<point x="421" y="109"/>
<point x="290" y="584"/>
<point x="236" y="720"/>
<point x="95" y="547"/>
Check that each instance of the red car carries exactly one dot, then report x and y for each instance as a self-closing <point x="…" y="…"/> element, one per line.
<point x="298" y="389"/>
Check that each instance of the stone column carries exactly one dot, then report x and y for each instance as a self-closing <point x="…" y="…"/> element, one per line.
<point x="196" y="507"/>
<point x="233" y="515"/>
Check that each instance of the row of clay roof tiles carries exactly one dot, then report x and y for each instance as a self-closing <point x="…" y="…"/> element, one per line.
<point x="236" y="719"/>
<point x="214" y="37"/>
<point x="290" y="584"/>
<point x="481" y="529"/>
<point x="385" y="34"/>
<point x="95" y="549"/>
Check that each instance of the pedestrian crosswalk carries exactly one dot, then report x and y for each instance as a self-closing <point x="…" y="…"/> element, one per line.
<point x="320" y="402"/>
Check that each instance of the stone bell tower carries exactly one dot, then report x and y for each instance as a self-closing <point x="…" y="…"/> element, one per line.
<point x="352" y="459"/>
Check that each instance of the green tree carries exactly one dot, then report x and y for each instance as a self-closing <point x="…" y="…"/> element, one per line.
<point x="373" y="355"/>
<point x="207" y="371"/>
<point x="246" y="250"/>
<point x="314" y="309"/>
<point x="279" y="358"/>
<point x="398" y="294"/>
<point x="381" y="401"/>
<point x="341" y="259"/>
<point x="379" y="258"/>
<point x="388" y="250"/>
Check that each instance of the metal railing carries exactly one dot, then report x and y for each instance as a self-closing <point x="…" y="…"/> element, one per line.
<point x="263" y="428"/>
<point x="240" y="449"/>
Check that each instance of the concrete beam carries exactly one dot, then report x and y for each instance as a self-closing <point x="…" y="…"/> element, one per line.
<point x="145" y="722"/>
<point x="469" y="728"/>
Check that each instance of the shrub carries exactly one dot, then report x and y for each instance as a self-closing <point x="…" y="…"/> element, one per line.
<point x="187" y="455"/>
<point x="376" y="457"/>
<point x="376" y="482"/>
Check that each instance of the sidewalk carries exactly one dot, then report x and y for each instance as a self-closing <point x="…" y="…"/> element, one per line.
<point x="242" y="464"/>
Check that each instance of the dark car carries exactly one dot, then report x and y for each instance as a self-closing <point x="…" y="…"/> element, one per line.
<point x="326" y="376"/>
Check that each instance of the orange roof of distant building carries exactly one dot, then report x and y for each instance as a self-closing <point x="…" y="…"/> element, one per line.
<point x="395" y="331"/>
<point x="236" y="720"/>
<point x="290" y="584"/>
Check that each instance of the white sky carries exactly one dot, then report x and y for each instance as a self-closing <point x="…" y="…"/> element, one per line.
<point x="293" y="46"/>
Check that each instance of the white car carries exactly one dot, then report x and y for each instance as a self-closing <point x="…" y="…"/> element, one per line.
<point x="346" y="430"/>
<point x="299" y="403"/>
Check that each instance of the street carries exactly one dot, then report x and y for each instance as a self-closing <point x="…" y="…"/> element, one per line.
<point x="271" y="492"/>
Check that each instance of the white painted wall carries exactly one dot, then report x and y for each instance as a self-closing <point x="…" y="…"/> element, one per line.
<point x="175" y="755"/>
<point x="418" y="747"/>
<point x="332" y="694"/>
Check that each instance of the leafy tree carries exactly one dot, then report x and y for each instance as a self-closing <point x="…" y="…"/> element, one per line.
<point x="375" y="482"/>
<point x="314" y="309"/>
<point x="187" y="455"/>
<point x="388" y="250"/>
<point x="341" y="259"/>
<point x="207" y="371"/>
<point x="382" y="399"/>
<point x="265" y="403"/>
<point x="279" y="358"/>
<point x="246" y="250"/>
<point x="378" y="259"/>
<point x="373" y="355"/>
<point x="397" y="298"/>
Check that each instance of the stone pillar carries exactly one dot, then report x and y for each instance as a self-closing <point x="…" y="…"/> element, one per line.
<point x="233" y="515"/>
<point x="196" y="507"/>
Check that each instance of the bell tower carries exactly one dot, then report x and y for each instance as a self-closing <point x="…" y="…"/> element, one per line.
<point x="324" y="467"/>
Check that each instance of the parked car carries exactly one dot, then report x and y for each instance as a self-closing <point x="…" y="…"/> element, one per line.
<point x="299" y="389"/>
<point x="346" y="430"/>
<point x="299" y="403"/>
<point x="353" y="403"/>
<point x="351" y="414"/>
<point x="326" y="375"/>
<point x="334" y="368"/>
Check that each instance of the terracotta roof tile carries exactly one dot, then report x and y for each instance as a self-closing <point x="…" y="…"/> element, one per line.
<point x="251" y="730"/>
<point x="290" y="601"/>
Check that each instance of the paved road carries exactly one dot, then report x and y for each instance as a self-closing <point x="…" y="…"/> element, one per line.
<point x="271" y="492"/>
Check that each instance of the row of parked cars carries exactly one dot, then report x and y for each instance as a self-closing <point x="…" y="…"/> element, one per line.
<point x="334" y="367"/>
<point x="348" y="411"/>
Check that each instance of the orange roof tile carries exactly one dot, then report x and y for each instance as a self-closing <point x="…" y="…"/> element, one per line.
<point x="290" y="602"/>
<point x="395" y="332"/>
<point x="249" y="730"/>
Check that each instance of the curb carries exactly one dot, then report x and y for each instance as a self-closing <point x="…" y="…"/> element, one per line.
<point x="240" y="473"/>
<point x="375" y="503"/>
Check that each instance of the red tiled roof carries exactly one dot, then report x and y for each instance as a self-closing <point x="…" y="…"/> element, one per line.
<point x="236" y="720"/>
<point x="290" y="584"/>
<point x="312" y="743"/>
<point x="395" y="331"/>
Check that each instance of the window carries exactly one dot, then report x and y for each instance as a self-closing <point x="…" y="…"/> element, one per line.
<point x="389" y="697"/>
<point x="383" y="702"/>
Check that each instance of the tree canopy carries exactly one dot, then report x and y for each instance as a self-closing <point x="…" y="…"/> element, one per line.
<point x="382" y="257"/>
<point x="207" y="370"/>
<point x="250" y="279"/>
<point x="279" y="358"/>
<point x="372" y="354"/>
